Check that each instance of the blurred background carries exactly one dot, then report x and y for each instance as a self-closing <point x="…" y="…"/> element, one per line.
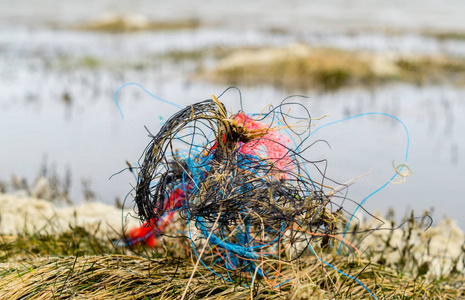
<point x="61" y="63"/>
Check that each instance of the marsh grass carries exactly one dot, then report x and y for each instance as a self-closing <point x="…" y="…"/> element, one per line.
<point x="122" y="23"/>
<point x="447" y="35"/>
<point x="132" y="277"/>
<point x="76" y="264"/>
<point x="303" y="68"/>
<point x="48" y="242"/>
<point x="319" y="68"/>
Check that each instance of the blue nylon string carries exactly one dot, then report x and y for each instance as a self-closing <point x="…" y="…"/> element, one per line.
<point x="198" y="257"/>
<point x="389" y="181"/>
<point x="145" y="90"/>
<point x="341" y="272"/>
<point x="241" y="251"/>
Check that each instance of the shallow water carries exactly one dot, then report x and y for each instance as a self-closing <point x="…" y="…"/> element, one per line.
<point x="40" y="68"/>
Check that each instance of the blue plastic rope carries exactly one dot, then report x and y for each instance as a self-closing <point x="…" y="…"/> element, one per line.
<point x="145" y="90"/>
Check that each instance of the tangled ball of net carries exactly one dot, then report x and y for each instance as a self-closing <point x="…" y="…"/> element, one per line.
<point x="236" y="183"/>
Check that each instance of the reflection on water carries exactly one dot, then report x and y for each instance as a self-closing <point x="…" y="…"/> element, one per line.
<point x="57" y="100"/>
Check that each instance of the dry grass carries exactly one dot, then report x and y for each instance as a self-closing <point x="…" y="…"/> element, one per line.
<point x="301" y="67"/>
<point x="115" y="277"/>
<point x="76" y="264"/>
<point x="133" y="277"/>
<point x="447" y="35"/>
<point x="424" y="69"/>
<point x="293" y="68"/>
<point x="118" y="23"/>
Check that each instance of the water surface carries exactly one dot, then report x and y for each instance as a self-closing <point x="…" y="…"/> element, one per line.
<point x="57" y="89"/>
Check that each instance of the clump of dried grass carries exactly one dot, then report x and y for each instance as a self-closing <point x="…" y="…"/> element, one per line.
<point x="134" y="277"/>
<point x="81" y="265"/>
<point x="302" y="67"/>
<point x="295" y="67"/>
<point x="117" y="23"/>
<point x="115" y="277"/>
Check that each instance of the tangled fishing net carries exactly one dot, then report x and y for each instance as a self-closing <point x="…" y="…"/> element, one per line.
<point x="238" y="184"/>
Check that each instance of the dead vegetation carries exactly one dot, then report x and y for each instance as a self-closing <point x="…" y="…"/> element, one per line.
<point x="133" y="277"/>
<point x="446" y="35"/>
<point x="79" y="264"/>
<point x="118" y="23"/>
<point x="302" y="67"/>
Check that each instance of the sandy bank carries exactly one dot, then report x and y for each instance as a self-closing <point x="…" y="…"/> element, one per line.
<point x="18" y="214"/>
